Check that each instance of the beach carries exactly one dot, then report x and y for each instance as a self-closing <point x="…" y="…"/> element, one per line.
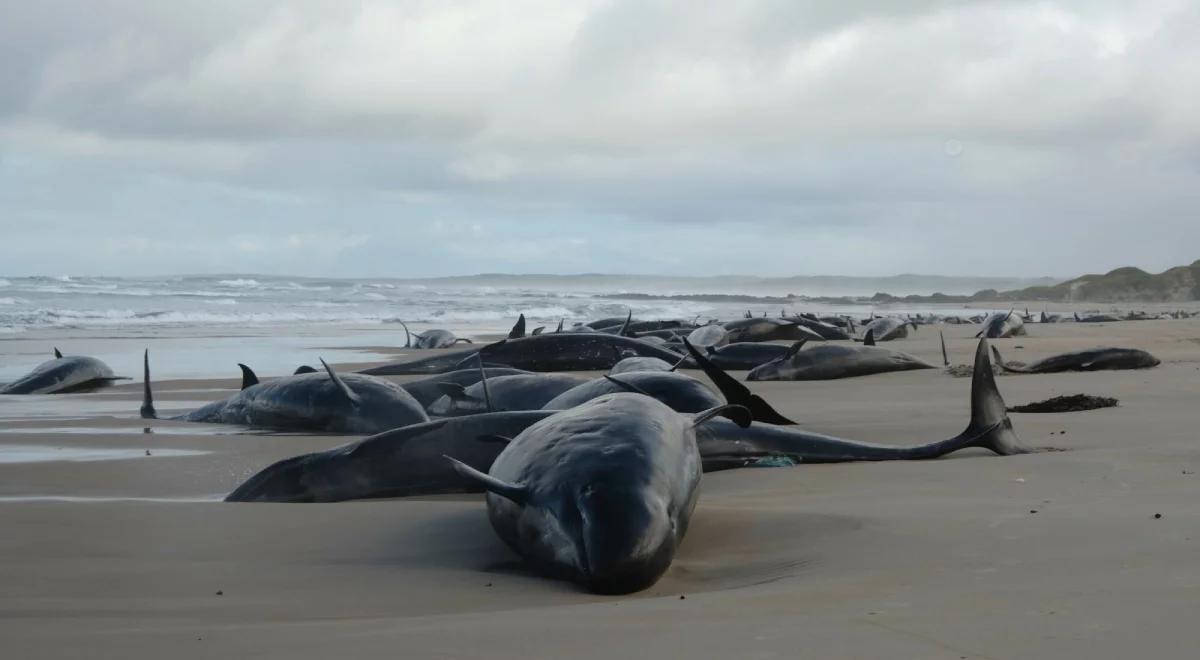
<point x="115" y="542"/>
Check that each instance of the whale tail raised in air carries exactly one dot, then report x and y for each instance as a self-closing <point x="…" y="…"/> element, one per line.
<point x="990" y="426"/>
<point x="1004" y="366"/>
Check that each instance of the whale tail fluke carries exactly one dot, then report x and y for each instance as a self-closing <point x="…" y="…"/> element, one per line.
<point x="990" y="425"/>
<point x="147" y="410"/>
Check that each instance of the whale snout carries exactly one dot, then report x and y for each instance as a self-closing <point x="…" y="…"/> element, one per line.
<point x="627" y="538"/>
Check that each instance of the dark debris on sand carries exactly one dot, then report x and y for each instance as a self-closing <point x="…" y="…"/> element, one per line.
<point x="968" y="370"/>
<point x="1070" y="403"/>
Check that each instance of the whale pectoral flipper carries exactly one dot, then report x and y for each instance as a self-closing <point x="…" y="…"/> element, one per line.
<point x="514" y="492"/>
<point x="629" y="387"/>
<point x="737" y="393"/>
<point x="248" y="376"/>
<point x="945" y="356"/>
<point x="341" y="384"/>
<point x="740" y="415"/>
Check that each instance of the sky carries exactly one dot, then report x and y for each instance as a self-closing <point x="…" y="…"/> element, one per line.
<point x="765" y="137"/>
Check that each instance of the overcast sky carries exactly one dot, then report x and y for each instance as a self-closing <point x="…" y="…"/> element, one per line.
<point x="771" y="137"/>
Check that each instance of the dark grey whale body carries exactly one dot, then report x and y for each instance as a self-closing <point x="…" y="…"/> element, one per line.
<point x="351" y="403"/>
<point x="887" y="328"/>
<point x="571" y="352"/>
<point x="767" y="329"/>
<point x="1092" y="359"/>
<point x="600" y="494"/>
<point x="1003" y="324"/>
<point x="428" y="390"/>
<point x="742" y="355"/>
<point x="73" y="373"/>
<point x="680" y="392"/>
<point x="529" y="391"/>
<point x="829" y="362"/>
<point x="402" y="462"/>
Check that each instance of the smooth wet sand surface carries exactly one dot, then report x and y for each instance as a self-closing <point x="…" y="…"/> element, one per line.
<point x="133" y="558"/>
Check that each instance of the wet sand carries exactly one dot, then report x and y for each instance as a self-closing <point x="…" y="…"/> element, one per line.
<point x="1048" y="555"/>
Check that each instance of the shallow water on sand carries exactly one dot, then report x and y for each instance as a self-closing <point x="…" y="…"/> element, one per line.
<point x="46" y="453"/>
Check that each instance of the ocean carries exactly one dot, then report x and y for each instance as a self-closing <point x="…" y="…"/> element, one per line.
<point x="201" y="326"/>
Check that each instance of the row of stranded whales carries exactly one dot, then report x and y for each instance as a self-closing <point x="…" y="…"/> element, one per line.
<point x="600" y="494"/>
<point x="407" y="461"/>
<point x="63" y="374"/>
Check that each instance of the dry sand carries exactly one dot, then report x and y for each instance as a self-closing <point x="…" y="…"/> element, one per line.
<point x="940" y="559"/>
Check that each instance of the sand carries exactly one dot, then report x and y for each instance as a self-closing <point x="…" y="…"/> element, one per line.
<point x="1049" y="555"/>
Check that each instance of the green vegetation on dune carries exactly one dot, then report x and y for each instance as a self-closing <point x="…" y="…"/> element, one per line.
<point x="1128" y="284"/>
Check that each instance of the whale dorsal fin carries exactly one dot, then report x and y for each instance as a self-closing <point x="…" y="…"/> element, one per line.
<point x="517" y="493"/>
<point x="518" y="329"/>
<point x="624" y="331"/>
<point x="341" y="384"/>
<point x="560" y="325"/>
<point x="869" y="339"/>
<point x="147" y="411"/>
<point x="248" y="376"/>
<point x="538" y="330"/>
<point x="304" y="369"/>
<point x="57" y="353"/>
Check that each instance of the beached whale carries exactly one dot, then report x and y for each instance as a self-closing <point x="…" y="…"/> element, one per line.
<point x="506" y="393"/>
<point x="1092" y="359"/>
<point x="742" y="355"/>
<point x="887" y="328"/>
<point x="767" y="329"/>
<point x="829" y="362"/>
<point x="436" y="338"/>
<point x="73" y="373"/>
<point x="680" y="392"/>
<point x="726" y="446"/>
<point x="402" y="462"/>
<point x="571" y="352"/>
<point x="1001" y="325"/>
<point x="640" y="364"/>
<point x="350" y="403"/>
<point x="600" y="494"/>
<point x="428" y="390"/>
<point x="709" y="335"/>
